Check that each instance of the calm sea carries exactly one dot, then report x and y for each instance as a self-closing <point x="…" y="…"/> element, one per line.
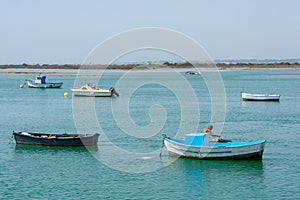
<point x="133" y="125"/>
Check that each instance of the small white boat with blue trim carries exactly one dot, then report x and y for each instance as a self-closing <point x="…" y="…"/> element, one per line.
<point x="198" y="145"/>
<point x="260" y="97"/>
<point x="40" y="82"/>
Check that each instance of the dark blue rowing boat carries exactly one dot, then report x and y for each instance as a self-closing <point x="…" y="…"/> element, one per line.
<point x="56" y="139"/>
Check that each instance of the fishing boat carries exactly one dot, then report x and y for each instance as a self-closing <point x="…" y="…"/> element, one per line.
<point x="64" y="139"/>
<point x="40" y="82"/>
<point x="260" y="97"/>
<point x="90" y="90"/>
<point x="198" y="145"/>
<point x="193" y="73"/>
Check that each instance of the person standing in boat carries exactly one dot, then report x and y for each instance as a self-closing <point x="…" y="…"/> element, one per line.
<point x="208" y="129"/>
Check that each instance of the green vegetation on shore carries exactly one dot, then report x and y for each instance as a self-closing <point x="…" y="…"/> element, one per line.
<point x="221" y="66"/>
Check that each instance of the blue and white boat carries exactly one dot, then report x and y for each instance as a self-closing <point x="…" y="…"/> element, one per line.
<point x="40" y="82"/>
<point x="198" y="145"/>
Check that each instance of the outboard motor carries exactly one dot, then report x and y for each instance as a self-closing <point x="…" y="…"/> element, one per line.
<point x="113" y="91"/>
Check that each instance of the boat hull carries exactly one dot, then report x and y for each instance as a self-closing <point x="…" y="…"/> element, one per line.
<point x="55" y="139"/>
<point x="32" y="84"/>
<point x="193" y="73"/>
<point x="217" y="151"/>
<point x="260" y="97"/>
<point x="92" y="93"/>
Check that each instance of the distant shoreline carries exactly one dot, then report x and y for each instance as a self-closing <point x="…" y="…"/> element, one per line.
<point x="220" y="66"/>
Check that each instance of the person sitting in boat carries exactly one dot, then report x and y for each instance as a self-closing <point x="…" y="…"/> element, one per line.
<point x="208" y="129"/>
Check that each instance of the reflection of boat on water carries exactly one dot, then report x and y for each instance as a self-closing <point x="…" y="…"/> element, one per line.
<point x="205" y="173"/>
<point x="204" y="170"/>
<point x="40" y="82"/>
<point x="230" y="165"/>
<point x="192" y="72"/>
<point x="90" y="90"/>
<point x="199" y="146"/>
<point x="37" y="148"/>
<point x="260" y="97"/>
<point x="45" y="139"/>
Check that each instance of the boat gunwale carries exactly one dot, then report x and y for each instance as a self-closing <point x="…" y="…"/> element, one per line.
<point x="55" y="136"/>
<point x="260" y="95"/>
<point x="31" y="80"/>
<point x="91" y="91"/>
<point x="252" y="143"/>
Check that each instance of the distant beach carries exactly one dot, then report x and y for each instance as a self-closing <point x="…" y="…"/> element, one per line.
<point x="166" y="65"/>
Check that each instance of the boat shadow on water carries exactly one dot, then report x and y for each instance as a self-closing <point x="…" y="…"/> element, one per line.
<point x="202" y="175"/>
<point x="261" y="103"/>
<point x="37" y="148"/>
<point x="228" y="165"/>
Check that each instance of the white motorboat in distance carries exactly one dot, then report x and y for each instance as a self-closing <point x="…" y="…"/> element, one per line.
<point x="90" y="90"/>
<point x="193" y="73"/>
<point x="40" y="82"/>
<point x="260" y="97"/>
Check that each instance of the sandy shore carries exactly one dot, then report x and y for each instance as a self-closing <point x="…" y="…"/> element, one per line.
<point x="220" y="66"/>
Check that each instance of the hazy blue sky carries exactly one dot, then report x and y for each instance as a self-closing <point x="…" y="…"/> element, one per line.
<point x="65" y="31"/>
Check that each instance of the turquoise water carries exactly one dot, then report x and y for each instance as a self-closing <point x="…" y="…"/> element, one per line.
<point x="29" y="172"/>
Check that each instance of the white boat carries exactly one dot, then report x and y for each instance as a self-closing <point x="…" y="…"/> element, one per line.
<point x="40" y="82"/>
<point x="193" y="73"/>
<point x="198" y="145"/>
<point x="260" y="97"/>
<point x="90" y="90"/>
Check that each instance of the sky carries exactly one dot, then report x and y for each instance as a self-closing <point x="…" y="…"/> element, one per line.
<point x="65" y="31"/>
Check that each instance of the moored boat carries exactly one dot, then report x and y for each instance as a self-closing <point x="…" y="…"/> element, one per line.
<point x="193" y="73"/>
<point x="40" y="82"/>
<point x="260" y="97"/>
<point x="64" y="139"/>
<point x="90" y="90"/>
<point x="198" y="145"/>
